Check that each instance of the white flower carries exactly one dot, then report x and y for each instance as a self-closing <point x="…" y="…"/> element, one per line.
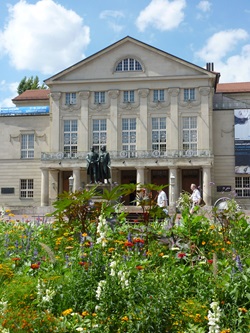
<point x="99" y="289"/>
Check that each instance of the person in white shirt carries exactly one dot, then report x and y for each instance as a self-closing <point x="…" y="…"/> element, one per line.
<point x="195" y="197"/>
<point x="162" y="201"/>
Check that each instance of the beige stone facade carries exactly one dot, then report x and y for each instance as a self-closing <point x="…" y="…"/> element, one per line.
<point x="152" y="111"/>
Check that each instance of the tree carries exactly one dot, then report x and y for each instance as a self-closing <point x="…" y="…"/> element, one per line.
<point x="29" y="84"/>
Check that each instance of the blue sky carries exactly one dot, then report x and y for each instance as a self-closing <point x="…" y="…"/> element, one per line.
<point x="43" y="37"/>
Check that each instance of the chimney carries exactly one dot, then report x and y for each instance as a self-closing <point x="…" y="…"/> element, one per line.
<point x="210" y="66"/>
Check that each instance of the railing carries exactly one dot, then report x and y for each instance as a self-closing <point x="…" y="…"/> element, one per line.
<point x="131" y="154"/>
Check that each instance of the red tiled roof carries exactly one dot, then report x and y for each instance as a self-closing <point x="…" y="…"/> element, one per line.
<point x="236" y="87"/>
<point x="35" y="94"/>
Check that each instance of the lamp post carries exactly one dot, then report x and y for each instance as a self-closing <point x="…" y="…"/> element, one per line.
<point x="172" y="185"/>
<point x="71" y="183"/>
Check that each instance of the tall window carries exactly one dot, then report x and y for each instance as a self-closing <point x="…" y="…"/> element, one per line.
<point x="128" y="64"/>
<point x="159" y="134"/>
<point x="99" y="97"/>
<point x="99" y="133"/>
<point x="70" y="138"/>
<point x="242" y="186"/>
<point x="70" y="98"/>
<point x="189" y="94"/>
<point x="189" y="132"/>
<point x="27" y="145"/>
<point x="26" y="188"/>
<point x="129" y="96"/>
<point x="158" y="95"/>
<point x="129" y="136"/>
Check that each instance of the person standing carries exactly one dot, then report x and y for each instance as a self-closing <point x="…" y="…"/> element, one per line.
<point x="162" y="201"/>
<point x="195" y="197"/>
<point x="92" y="165"/>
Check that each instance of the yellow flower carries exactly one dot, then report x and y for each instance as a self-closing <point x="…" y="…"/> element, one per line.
<point x="85" y="313"/>
<point x="161" y="254"/>
<point x="243" y="310"/>
<point x="125" y="318"/>
<point x="203" y="243"/>
<point x="84" y="234"/>
<point x="111" y="249"/>
<point x="67" y="312"/>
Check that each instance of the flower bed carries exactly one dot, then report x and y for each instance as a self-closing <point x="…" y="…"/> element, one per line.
<point x="87" y="275"/>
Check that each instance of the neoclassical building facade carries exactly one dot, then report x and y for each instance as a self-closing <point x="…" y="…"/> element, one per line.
<point x="154" y="112"/>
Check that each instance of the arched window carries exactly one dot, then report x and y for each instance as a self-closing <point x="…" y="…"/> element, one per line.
<point x="128" y="64"/>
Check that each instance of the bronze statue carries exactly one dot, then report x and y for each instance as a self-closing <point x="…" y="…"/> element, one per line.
<point x="92" y="165"/>
<point x="104" y="165"/>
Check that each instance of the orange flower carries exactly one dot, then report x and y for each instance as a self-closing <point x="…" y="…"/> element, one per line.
<point x="139" y="267"/>
<point x="35" y="266"/>
<point x="138" y="240"/>
<point x="243" y="310"/>
<point x="15" y="259"/>
<point x="128" y="244"/>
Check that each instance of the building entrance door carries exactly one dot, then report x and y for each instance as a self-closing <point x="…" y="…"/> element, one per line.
<point x="129" y="177"/>
<point x="190" y="176"/>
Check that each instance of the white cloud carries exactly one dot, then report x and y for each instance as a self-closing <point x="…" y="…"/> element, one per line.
<point x="162" y="15"/>
<point x="113" y="16"/>
<point x="11" y="90"/>
<point x="204" y="6"/>
<point x="236" y="68"/>
<point x="219" y="48"/>
<point x="111" y="13"/>
<point x="43" y="37"/>
<point x="220" y="44"/>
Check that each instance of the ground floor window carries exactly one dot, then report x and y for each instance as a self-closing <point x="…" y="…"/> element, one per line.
<point x="26" y="188"/>
<point x="242" y="186"/>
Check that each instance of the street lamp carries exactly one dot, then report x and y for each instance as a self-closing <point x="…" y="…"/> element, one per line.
<point x="172" y="185"/>
<point x="71" y="183"/>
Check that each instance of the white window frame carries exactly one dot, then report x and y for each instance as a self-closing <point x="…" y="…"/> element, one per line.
<point x="189" y="94"/>
<point x="189" y="134"/>
<point x="129" y="136"/>
<point x="158" y="95"/>
<point x="128" y="64"/>
<point x="129" y="96"/>
<point x="159" y="134"/>
<point x="242" y="186"/>
<point x="27" y="146"/>
<point x="70" y="98"/>
<point x="70" y="137"/>
<point x="26" y="188"/>
<point x="99" y="97"/>
<point x="99" y="133"/>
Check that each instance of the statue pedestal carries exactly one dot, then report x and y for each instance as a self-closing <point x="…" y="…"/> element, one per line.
<point x="99" y="188"/>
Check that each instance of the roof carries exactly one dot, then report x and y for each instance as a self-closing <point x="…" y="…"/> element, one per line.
<point x="35" y="94"/>
<point x="236" y="87"/>
<point x="124" y="40"/>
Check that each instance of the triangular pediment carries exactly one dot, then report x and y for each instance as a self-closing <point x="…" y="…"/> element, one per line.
<point x="155" y="64"/>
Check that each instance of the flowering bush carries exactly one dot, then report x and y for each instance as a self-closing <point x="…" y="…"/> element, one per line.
<point x="86" y="274"/>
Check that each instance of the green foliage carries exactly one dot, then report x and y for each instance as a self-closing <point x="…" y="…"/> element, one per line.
<point x="80" y="273"/>
<point x="29" y="84"/>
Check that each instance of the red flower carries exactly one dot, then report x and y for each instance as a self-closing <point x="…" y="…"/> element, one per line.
<point x="15" y="259"/>
<point x="128" y="244"/>
<point x="210" y="261"/>
<point x="181" y="255"/>
<point x="35" y="266"/>
<point x="138" y="240"/>
<point x="84" y="264"/>
<point x="139" y="267"/>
